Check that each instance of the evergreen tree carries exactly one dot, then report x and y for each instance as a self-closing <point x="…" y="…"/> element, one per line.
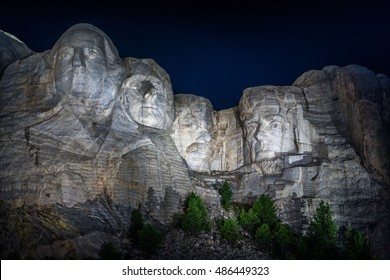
<point x="355" y="245"/>
<point x="249" y="220"/>
<point x="109" y="252"/>
<point x="137" y="223"/>
<point x="282" y="239"/>
<point x="149" y="238"/>
<point x="230" y="229"/>
<point x="263" y="236"/>
<point x="195" y="218"/>
<point x="226" y="195"/>
<point x="322" y="233"/>
<point x="265" y="211"/>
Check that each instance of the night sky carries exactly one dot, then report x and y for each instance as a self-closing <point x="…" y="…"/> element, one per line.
<point x="218" y="52"/>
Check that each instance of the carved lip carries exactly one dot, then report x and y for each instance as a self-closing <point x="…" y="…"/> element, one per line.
<point x="198" y="148"/>
<point x="149" y="107"/>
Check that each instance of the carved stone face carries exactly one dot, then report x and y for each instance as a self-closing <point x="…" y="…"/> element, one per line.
<point x="147" y="101"/>
<point x="192" y="130"/>
<point x="147" y="98"/>
<point x="87" y="67"/>
<point x="268" y="125"/>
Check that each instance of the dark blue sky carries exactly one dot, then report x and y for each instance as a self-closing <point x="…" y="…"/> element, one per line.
<point x="218" y="52"/>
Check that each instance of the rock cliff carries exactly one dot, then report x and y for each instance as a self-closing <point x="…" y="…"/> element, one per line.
<point x="12" y="49"/>
<point x="87" y="136"/>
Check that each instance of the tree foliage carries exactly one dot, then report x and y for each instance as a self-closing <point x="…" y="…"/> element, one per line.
<point x="230" y="229"/>
<point x="322" y="233"/>
<point x="265" y="211"/>
<point x="137" y="223"/>
<point x="263" y="236"/>
<point x="249" y="220"/>
<point x="195" y="218"/>
<point x="149" y="238"/>
<point x="355" y="245"/>
<point x="109" y="252"/>
<point x="144" y="236"/>
<point x="226" y="195"/>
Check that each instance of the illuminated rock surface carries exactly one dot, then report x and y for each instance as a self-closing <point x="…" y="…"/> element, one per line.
<point x="86" y="137"/>
<point x="12" y="49"/>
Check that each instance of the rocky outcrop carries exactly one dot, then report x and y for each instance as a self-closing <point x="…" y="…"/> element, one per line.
<point x="86" y="137"/>
<point x="179" y="245"/>
<point x="227" y="149"/>
<point x="299" y="141"/>
<point x="11" y="50"/>
<point x="65" y="139"/>
<point x="361" y="98"/>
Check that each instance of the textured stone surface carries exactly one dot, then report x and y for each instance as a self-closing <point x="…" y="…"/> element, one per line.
<point x="147" y="93"/>
<point x="179" y="245"/>
<point x="66" y="139"/>
<point x="11" y="50"/>
<point x="208" y="140"/>
<point x="86" y="137"/>
<point x="228" y="141"/>
<point x="192" y="130"/>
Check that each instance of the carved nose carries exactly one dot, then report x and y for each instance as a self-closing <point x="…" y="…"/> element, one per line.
<point x="78" y="58"/>
<point x="146" y="89"/>
<point x="259" y="134"/>
<point x="203" y="137"/>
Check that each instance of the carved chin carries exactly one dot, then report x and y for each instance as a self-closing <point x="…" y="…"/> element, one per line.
<point x="261" y="155"/>
<point x="149" y="116"/>
<point x="258" y="152"/>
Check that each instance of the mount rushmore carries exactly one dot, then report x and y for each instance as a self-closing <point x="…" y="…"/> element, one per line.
<point x="88" y="136"/>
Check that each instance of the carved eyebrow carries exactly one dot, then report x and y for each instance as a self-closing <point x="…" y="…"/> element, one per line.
<point x="269" y="119"/>
<point x="277" y="117"/>
<point x="90" y="45"/>
<point x="185" y="118"/>
<point x="95" y="48"/>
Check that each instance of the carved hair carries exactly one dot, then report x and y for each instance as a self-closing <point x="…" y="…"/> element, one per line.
<point x="112" y="55"/>
<point x="190" y="100"/>
<point x="255" y="98"/>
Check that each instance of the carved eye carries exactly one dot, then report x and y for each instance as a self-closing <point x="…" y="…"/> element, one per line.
<point x="66" y="53"/>
<point x="274" y="125"/>
<point x="91" y="53"/>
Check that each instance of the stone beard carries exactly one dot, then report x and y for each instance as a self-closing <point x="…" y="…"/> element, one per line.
<point x="192" y="130"/>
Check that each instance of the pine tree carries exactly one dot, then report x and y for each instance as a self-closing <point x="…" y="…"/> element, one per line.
<point x="137" y="223"/>
<point x="249" y="220"/>
<point x="264" y="237"/>
<point x="322" y="233"/>
<point x="149" y="238"/>
<point x="355" y="245"/>
<point x="226" y="195"/>
<point x="265" y="211"/>
<point x="195" y="218"/>
<point x="230" y="229"/>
